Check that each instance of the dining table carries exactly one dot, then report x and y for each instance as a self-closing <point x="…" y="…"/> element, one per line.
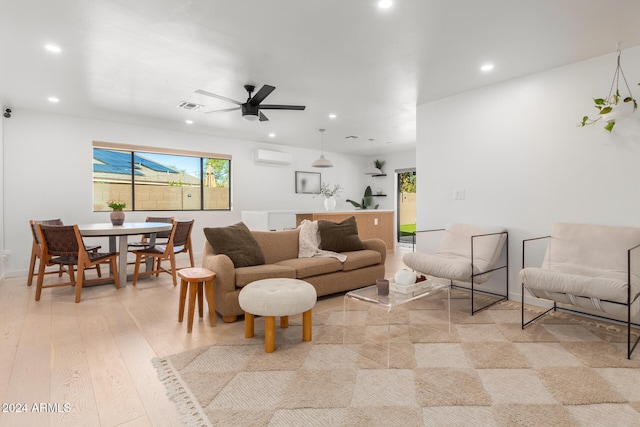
<point x="123" y="232"/>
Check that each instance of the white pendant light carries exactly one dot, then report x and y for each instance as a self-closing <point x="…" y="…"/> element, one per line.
<point x="372" y="169"/>
<point x="322" y="162"/>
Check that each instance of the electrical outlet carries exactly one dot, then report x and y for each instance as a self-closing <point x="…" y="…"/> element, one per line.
<point x="458" y="194"/>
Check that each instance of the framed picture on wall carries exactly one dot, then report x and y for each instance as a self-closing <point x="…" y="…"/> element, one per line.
<point x="307" y="182"/>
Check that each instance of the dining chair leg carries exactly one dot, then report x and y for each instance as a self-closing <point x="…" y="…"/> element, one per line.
<point x="32" y="267"/>
<point x="41" y="268"/>
<point x="172" y="259"/>
<point x="191" y="258"/>
<point x="79" y="282"/>
<point x="136" y="269"/>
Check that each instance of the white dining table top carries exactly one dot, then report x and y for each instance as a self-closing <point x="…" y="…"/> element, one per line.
<point x="128" y="228"/>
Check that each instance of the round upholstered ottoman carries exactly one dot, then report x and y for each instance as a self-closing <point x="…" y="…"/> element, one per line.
<point x="277" y="297"/>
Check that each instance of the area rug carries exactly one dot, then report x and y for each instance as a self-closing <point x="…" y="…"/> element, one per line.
<point x="476" y="370"/>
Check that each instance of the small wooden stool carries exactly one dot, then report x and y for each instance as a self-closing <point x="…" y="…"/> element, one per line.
<point x="196" y="279"/>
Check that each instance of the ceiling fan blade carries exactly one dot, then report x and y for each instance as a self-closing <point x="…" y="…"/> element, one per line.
<point x="264" y="91"/>
<point x="222" y="111"/>
<point x="263" y="118"/>
<point x="282" y="107"/>
<point x="213" y="95"/>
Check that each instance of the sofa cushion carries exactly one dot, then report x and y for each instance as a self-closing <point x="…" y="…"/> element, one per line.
<point x="246" y="275"/>
<point x="308" y="267"/>
<point x="340" y="236"/>
<point x="278" y="245"/>
<point x="237" y="242"/>
<point x="360" y="259"/>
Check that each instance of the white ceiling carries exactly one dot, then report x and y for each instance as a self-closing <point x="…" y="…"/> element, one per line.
<point x="134" y="61"/>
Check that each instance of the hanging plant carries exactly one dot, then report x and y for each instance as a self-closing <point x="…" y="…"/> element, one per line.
<point x="614" y="107"/>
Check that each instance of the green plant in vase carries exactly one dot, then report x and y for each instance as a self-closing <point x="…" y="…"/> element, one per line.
<point x="116" y="205"/>
<point x="117" y="214"/>
<point x="614" y="107"/>
<point x="379" y="164"/>
<point x="367" y="200"/>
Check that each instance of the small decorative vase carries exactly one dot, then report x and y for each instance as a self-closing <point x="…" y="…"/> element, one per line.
<point x="117" y="217"/>
<point x="329" y="203"/>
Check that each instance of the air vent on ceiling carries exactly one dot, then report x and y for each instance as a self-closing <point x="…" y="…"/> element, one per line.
<point x="191" y="106"/>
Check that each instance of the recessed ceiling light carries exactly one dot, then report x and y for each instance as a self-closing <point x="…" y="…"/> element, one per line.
<point x="486" y="67"/>
<point x="189" y="122"/>
<point x="272" y="135"/>
<point x="332" y="116"/>
<point x="385" y="4"/>
<point x="53" y="99"/>
<point x="53" y="48"/>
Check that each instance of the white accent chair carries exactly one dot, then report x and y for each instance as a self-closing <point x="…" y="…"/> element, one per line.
<point x="466" y="255"/>
<point x="587" y="269"/>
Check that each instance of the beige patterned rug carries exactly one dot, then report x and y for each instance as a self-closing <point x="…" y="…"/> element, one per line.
<point x="480" y="370"/>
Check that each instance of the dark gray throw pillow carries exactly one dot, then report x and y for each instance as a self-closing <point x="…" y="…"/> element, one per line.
<point x="236" y="242"/>
<point x="340" y="236"/>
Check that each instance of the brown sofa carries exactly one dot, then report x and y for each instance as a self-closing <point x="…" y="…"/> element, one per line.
<point x="280" y="249"/>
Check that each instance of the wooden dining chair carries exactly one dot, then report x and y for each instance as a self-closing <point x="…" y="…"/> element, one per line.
<point x="36" y="250"/>
<point x="178" y="242"/>
<point x="161" y="236"/>
<point x="63" y="245"/>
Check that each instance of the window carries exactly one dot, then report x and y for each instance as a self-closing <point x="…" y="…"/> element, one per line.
<point x="148" y="179"/>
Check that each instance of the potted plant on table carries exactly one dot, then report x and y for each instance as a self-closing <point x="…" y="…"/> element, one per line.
<point x="328" y="193"/>
<point x="117" y="213"/>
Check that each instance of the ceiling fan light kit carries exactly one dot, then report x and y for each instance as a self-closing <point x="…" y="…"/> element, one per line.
<point x="322" y="162"/>
<point x="251" y="108"/>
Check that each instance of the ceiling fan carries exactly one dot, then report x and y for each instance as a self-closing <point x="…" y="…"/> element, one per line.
<point x="251" y="108"/>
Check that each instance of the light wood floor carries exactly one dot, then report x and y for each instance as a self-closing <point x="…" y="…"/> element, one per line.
<point x="95" y="356"/>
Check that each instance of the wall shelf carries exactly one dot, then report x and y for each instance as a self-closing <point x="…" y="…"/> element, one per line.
<point x="380" y="174"/>
<point x="379" y="195"/>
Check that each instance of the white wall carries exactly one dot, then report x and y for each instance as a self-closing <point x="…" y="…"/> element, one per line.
<point x="2" y="266"/>
<point x="48" y="170"/>
<point x="516" y="151"/>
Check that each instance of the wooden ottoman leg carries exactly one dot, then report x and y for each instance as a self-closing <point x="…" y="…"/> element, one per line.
<point x="193" y="290"/>
<point x="284" y="322"/>
<point x="183" y="297"/>
<point x="269" y="334"/>
<point x="306" y="326"/>
<point x="208" y="290"/>
<point x="248" y="325"/>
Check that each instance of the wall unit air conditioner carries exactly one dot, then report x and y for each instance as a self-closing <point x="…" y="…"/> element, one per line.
<point x="273" y="157"/>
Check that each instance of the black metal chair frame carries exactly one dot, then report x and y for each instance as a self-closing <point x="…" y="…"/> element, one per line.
<point x="473" y="289"/>
<point x="555" y="307"/>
